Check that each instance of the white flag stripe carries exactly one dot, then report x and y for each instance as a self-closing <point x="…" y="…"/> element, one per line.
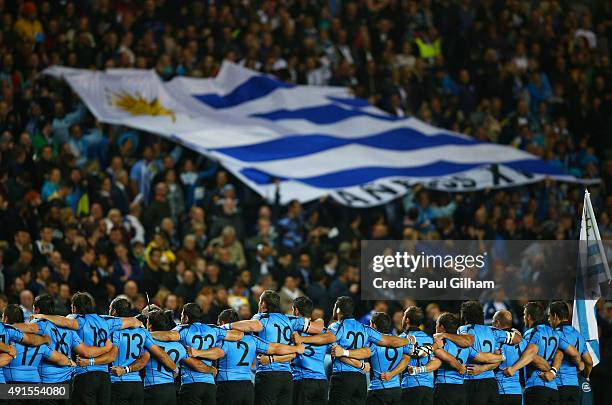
<point x="327" y="162"/>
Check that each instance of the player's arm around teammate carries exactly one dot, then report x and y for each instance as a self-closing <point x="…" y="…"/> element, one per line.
<point x="175" y="336"/>
<point x="320" y="339"/>
<point x="30" y="337"/>
<point x="486" y="362"/>
<point x="137" y="365"/>
<point x="446" y="357"/>
<point x="359" y="354"/>
<point x="354" y="357"/>
<point x="532" y="350"/>
<point x="5" y="359"/>
<point x="8" y="349"/>
<point x="432" y="365"/>
<point x="409" y="352"/>
<point x="70" y="323"/>
<point x="255" y="325"/>
<point x="269" y="359"/>
<point x="82" y="349"/>
<point x="60" y="359"/>
<point x="105" y="358"/>
<point x="214" y="353"/>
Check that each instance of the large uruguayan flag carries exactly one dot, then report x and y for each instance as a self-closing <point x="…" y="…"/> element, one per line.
<point x="592" y="271"/>
<point x="315" y="140"/>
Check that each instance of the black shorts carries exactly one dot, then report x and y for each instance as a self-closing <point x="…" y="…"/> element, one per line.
<point x="569" y="395"/>
<point x="160" y="394"/>
<point x="348" y="388"/>
<point x="309" y="391"/>
<point x="418" y="395"/>
<point x="93" y="388"/>
<point x="273" y="387"/>
<point x="510" y="399"/>
<point x="235" y="392"/>
<point x="541" y="396"/>
<point x="127" y="393"/>
<point x="482" y="392"/>
<point x="387" y="396"/>
<point x="198" y="394"/>
<point x="449" y="394"/>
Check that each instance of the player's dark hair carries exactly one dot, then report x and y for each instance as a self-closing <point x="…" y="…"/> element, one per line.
<point x="449" y="321"/>
<point x="121" y="306"/>
<point x="45" y="304"/>
<point x="346" y="306"/>
<point x="535" y="310"/>
<point x="472" y="313"/>
<point x="560" y="309"/>
<point x="193" y="312"/>
<point x="142" y="318"/>
<point x="227" y="316"/>
<point x="13" y="314"/>
<point x="382" y="321"/>
<point x="272" y="300"/>
<point x="161" y="320"/>
<point x="304" y="306"/>
<point x="83" y="303"/>
<point x="414" y="315"/>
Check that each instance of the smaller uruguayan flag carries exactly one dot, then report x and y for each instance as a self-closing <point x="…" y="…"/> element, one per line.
<point x="592" y="271"/>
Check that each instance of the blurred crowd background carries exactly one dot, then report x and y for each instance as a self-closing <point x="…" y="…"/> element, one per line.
<point x="105" y="209"/>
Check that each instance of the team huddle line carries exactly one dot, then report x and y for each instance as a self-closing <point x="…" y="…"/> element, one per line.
<point x="122" y="359"/>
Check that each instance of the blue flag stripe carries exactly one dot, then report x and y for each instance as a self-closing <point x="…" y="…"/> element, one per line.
<point x="252" y="89"/>
<point x="323" y="114"/>
<point x="362" y="175"/>
<point x="595" y="346"/>
<point x="593" y="249"/>
<point x="292" y="146"/>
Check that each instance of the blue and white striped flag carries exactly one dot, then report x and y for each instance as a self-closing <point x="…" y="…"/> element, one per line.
<point x="592" y="271"/>
<point x="315" y="140"/>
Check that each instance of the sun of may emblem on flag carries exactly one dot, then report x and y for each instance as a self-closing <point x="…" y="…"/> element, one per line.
<point x="138" y="105"/>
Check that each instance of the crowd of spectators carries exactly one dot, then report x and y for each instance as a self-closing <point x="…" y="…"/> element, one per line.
<point x="87" y="206"/>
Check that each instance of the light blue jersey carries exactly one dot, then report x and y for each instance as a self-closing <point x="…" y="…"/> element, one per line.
<point x="9" y="335"/>
<point x="448" y="375"/>
<point x="95" y="330"/>
<point x="155" y="372"/>
<point x="278" y="328"/>
<point x="385" y="359"/>
<point x="202" y="337"/>
<point x="510" y="385"/>
<point x="486" y="340"/>
<point x="24" y="367"/>
<point x="548" y="342"/>
<point x="63" y="341"/>
<point x="351" y="334"/>
<point x="422" y="379"/>
<point x="131" y="343"/>
<point x="239" y="357"/>
<point x="568" y="373"/>
<point x="311" y="364"/>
